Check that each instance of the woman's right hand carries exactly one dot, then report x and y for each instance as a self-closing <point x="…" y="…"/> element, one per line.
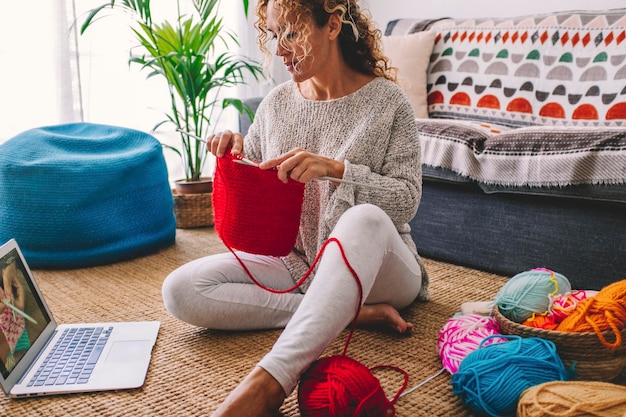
<point x="218" y="143"/>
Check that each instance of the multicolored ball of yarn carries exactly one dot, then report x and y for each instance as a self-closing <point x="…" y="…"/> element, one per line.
<point x="563" y="305"/>
<point x="491" y="379"/>
<point x="461" y="335"/>
<point x="605" y="311"/>
<point x="530" y="292"/>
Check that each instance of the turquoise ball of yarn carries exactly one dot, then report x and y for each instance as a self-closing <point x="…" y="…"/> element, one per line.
<point x="491" y="379"/>
<point x="530" y="292"/>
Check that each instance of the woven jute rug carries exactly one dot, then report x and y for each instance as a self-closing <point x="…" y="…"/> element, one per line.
<point x="192" y="369"/>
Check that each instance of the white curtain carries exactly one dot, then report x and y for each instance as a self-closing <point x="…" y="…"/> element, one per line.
<point x="249" y="47"/>
<point x="34" y="66"/>
<point x="52" y="75"/>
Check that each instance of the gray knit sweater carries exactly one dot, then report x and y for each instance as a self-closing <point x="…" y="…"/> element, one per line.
<point x="372" y="131"/>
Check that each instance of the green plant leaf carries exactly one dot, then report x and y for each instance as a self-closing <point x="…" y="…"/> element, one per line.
<point x="183" y="53"/>
<point x="92" y="14"/>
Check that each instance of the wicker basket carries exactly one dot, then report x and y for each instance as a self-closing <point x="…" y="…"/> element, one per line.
<point x="193" y="210"/>
<point x="592" y="360"/>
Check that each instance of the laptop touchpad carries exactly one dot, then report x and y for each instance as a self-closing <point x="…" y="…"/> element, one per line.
<point x="129" y="351"/>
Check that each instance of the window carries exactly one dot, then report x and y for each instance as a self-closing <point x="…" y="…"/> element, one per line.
<point x="51" y="74"/>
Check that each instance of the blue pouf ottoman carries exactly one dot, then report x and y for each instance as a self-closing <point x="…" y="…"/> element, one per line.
<point x="83" y="194"/>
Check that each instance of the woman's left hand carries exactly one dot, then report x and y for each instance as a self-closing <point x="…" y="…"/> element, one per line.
<point x="303" y="166"/>
<point x="219" y="143"/>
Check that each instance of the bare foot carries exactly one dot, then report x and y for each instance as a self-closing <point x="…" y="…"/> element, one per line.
<point x="258" y="395"/>
<point x="383" y="315"/>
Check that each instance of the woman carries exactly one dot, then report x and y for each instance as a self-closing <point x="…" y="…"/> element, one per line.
<point x="342" y="116"/>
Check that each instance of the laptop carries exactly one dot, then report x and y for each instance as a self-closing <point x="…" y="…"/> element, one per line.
<point x="40" y="357"/>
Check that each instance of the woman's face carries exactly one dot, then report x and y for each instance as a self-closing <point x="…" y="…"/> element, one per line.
<point x="301" y="66"/>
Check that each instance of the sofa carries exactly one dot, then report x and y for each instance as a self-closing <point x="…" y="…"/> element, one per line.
<point x="522" y="124"/>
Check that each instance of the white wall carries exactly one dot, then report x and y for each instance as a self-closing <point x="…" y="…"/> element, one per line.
<point x="385" y="10"/>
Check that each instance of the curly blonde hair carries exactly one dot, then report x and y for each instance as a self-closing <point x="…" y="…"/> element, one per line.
<point x="360" y="40"/>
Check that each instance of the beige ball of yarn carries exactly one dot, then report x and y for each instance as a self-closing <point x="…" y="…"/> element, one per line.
<point x="573" y="399"/>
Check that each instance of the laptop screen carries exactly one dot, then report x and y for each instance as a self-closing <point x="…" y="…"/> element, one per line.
<point x="23" y="316"/>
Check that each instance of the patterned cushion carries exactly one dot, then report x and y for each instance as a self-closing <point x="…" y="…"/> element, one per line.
<point x="566" y="68"/>
<point x="84" y="194"/>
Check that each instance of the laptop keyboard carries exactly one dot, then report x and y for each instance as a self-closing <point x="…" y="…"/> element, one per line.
<point x="72" y="358"/>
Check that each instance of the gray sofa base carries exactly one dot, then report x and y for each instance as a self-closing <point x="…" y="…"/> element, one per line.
<point x="506" y="234"/>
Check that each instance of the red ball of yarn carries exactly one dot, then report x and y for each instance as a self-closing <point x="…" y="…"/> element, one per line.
<point x="340" y="386"/>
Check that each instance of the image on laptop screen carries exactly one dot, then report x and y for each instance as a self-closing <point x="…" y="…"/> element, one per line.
<point x="22" y="316"/>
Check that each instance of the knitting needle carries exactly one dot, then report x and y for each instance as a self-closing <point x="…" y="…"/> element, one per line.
<point x="17" y="310"/>
<point x="246" y="161"/>
<point x="243" y="160"/>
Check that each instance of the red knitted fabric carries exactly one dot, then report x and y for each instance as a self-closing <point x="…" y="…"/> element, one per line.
<point x="253" y="210"/>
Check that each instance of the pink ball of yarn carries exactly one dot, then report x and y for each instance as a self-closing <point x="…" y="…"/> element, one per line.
<point x="563" y="305"/>
<point x="461" y="335"/>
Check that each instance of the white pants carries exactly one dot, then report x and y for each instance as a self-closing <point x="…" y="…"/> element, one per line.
<point x="215" y="292"/>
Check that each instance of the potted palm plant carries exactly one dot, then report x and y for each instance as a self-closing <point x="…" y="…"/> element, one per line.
<point x="185" y="54"/>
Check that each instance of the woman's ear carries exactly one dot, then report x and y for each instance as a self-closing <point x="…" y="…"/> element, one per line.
<point x="334" y="26"/>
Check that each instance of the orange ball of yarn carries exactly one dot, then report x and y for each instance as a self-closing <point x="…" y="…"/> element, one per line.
<point x="541" y="321"/>
<point x="605" y="311"/>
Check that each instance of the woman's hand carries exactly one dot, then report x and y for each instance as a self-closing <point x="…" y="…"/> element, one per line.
<point x="13" y="289"/>
<point x="303" y="166"/>
<point x="218" y="143"/>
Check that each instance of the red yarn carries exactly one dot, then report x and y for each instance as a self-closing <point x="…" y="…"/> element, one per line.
<point x="340" y="386"/>
<point x="253" y="210"/>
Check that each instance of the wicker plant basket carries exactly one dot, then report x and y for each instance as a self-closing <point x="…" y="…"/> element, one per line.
<point x="592" y="360"/>
<point x="193" y="210"/>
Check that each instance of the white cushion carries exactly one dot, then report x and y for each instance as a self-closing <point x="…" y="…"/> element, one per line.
<point x="410" y="54"/>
